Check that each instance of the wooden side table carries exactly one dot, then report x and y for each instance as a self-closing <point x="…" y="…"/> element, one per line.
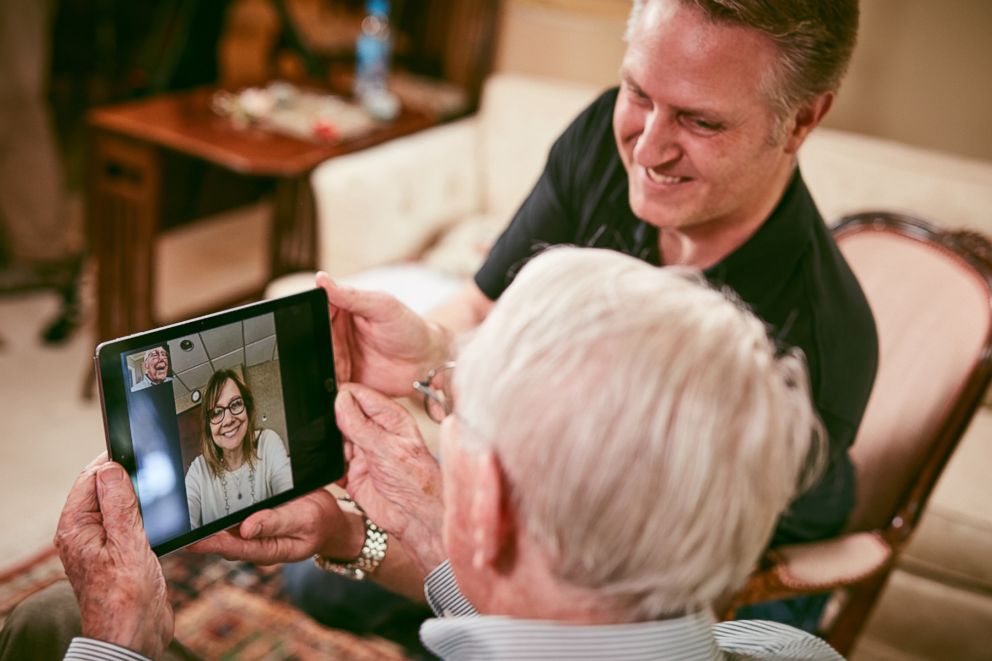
<point x="125" y="190"/>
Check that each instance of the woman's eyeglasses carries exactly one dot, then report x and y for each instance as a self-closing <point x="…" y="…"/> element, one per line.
<point x="436" y="389"/>
<point x="236" y="407"/>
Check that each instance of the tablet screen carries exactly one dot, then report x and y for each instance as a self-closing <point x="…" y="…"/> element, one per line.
<point x="222" y="416"/>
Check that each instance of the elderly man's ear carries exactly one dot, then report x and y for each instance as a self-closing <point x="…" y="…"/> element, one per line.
<point x="493" y="531"/>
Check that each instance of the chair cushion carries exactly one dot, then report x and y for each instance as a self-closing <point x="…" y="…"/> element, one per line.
<point x="833" y="562"/>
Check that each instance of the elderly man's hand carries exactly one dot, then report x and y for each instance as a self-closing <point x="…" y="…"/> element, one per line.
<point x="380" y="342"/>
<point x="294" y="531"/>
<point x="117" y="579"/>
<point x="391" y="474"/>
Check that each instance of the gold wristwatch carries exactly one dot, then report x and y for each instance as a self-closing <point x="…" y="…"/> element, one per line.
<point x="369" y="558"/>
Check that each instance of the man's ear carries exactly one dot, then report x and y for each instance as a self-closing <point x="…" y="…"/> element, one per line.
<point x="492" y="519"/>
<point x="807" y="118"/>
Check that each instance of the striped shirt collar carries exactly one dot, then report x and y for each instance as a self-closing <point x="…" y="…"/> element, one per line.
<point x="462" y="633"/>
<point x="491" y="637"/>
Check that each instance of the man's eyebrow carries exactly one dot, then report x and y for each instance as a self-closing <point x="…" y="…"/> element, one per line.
<point x="701" y="112"/>
<point x="628" y="79"/>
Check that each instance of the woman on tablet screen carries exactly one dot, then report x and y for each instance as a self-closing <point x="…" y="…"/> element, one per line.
<point x="240" y="465"/>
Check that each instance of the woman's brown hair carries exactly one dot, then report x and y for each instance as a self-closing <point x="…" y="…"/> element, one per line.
<point x="212" y="454"/>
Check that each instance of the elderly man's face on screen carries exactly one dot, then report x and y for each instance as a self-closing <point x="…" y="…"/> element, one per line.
<point x="156" y="364"/>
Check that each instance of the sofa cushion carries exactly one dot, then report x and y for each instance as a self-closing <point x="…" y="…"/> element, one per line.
<point x="933" y="620"/>
<point x="847" y="173"/>
<point x="520" y="119"/>
<point x="386" y="203"/>
<point x="462" y="249"/>
<point x="954" y="539"/>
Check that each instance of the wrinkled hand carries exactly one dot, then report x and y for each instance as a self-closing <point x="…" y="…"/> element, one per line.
<point x="380" y="342"/>
<point x="117" y="579"/>
<point x="391" y="474"/>
<point x="311" y="524"/>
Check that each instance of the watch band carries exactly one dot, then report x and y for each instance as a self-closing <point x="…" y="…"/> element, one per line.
<point x="369" y="558"/>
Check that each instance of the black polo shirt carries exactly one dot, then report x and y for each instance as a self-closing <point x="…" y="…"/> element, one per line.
<point x="790" y="272"/>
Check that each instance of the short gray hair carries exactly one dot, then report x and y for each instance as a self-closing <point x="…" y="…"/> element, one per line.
<point x="815" y="40"/>
<point x="650" y="434"/>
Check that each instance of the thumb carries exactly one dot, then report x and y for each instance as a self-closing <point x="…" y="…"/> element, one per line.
<point x="353" y="422"/>
<point x="375" y="305"/>
<point x="381" y="410"/>
<point x="118" y="504"/>
<point x="268" y="523"/>
<point x="290" y="519"/>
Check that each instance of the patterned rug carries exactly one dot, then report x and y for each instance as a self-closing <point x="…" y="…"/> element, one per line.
<point x="224" y="610"/>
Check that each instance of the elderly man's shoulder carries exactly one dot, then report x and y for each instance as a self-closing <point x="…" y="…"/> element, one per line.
<point x="761" y="639"/>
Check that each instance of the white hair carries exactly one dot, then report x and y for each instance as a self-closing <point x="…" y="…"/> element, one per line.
<point x="650" y="435"/>
<point x="633" y="18"/>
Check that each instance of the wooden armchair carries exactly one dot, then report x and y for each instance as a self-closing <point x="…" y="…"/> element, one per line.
<point x="931" y="293"/>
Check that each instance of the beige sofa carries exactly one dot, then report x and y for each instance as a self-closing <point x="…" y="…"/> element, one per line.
<point x="415" y="217"/>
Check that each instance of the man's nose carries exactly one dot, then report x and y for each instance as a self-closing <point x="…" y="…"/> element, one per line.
<point x="658" y="142"/>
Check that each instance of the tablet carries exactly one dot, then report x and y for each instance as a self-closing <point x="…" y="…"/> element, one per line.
<point x="221" y="416"/>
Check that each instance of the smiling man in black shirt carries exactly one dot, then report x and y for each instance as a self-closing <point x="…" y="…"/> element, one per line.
<point x="789" y="271"/>
<point x="691" y="162"/>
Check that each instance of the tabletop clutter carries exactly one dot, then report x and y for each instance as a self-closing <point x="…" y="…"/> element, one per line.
<point x="284" y="108"/>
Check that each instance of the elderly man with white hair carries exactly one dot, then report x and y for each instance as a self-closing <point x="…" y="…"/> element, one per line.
<point x="579" y="517"/>
<point x="155" y="369"/>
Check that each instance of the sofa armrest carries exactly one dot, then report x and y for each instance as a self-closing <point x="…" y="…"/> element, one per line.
<point x="386" y="203"/>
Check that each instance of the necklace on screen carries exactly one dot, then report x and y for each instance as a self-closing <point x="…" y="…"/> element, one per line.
<point x="237" y="487"/>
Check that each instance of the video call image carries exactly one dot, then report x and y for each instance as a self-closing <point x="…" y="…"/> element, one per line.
<point x="208" y="425"/>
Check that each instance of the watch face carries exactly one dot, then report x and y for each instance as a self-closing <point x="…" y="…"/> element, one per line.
<point x="349" y="570"/>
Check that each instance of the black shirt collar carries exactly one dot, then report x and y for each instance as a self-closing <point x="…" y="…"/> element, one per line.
<point x="762" y="264"/>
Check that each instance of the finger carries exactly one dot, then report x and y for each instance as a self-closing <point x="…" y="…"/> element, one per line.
<point x="268" y="523"/>
<point x="225" y="543"/>
<point x="370" y="442"/>
<point x="264" y="551"/>
<point x="324" y="282"/>
<point x="293" y="519"/>
<point x="357" y="469"/>
<point x="361" y="302"/>
<point x="101" y="458"/>
<point x="342" y="338"/>
<point x="383" y="410"/>
<point x="82" y="498"/>
<point x="118" y="503"/>
<point x="342" y="341"/>
<point x="360" y="430"/>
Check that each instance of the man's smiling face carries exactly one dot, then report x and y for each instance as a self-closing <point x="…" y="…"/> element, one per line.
<point x="156" y="364"/>
<point x="693" y="123"/>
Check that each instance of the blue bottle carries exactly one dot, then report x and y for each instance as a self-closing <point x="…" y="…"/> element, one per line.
<point x="372" y="56"/>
